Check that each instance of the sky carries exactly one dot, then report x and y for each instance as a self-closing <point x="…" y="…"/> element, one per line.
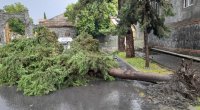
<point x="38" y="7"/>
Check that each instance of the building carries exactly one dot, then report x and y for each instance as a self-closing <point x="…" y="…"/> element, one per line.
<point x="63" y="28"/>
<point x="185" y="28"/>
<point x="60" y="25"/>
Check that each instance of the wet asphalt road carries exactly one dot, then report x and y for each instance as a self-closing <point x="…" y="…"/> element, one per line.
<point x="117" y="95"/>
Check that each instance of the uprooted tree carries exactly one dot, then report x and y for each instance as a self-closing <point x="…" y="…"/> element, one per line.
<point x="38" y="65"/>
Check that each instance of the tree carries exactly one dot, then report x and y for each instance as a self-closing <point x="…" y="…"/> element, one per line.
<point x="15" y="24"/>
<point x="121" y="39"/>
<point x="92" y="17"/>
<point x="15" y="8"/>
<point x="150" y="14"/>
<point x="45" y="17"/>
<point x="127" y="19"/>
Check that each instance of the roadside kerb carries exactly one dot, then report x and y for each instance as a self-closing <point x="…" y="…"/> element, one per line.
<point x="177" y="54"/>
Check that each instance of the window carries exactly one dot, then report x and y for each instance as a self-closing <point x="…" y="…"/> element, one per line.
<point x="188" y="3"/>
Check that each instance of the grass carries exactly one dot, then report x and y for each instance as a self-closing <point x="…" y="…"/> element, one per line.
<point x="197" y="108"/>
<point x="139" y="63"/>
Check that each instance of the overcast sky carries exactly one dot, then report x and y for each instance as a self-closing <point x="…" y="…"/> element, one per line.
<point x="38" y="7"/>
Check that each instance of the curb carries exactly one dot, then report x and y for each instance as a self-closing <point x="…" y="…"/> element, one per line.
<point x="125" y="62"/>
<point x="122" y="60"/>
<point x="176" y="54"/>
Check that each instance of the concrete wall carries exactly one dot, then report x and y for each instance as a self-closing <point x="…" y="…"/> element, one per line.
<point x="64" y="31"/>
<point x="185" y="28"/>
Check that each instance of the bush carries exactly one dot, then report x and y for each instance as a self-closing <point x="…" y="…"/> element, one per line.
<point x="38" y="65"/>
<point x="17" y="26"/>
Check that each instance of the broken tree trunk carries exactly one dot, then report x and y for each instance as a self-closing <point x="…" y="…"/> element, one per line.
<point x="130" y="51"/>
<point x="135" y="75"/>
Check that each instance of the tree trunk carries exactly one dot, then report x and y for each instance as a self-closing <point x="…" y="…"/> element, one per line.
<point x="121" y="39"/>
<point x="135" y="75"/>
<point x="146" y="44"/>
<point x="130" y="51"/>
<point x="121" y="46"/>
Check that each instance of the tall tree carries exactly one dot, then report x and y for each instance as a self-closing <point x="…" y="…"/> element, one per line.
<point x="92" y="17"/>
<point x="121" y="38"/>
<point x="45" y="17"/>
<point x="127" y="19"/>
<point x="151" y="15"/>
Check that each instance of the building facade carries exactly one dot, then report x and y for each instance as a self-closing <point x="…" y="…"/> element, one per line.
<point x="60" y="25"/>
<point x="185" y="27"/>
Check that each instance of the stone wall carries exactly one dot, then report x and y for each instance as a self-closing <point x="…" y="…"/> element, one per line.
<point x="109" y="43"/>
<point x="187" y="37"/>
<point x="24" y="17"/>
<point x="185" y="28"/>
<point x="64" y="31"/>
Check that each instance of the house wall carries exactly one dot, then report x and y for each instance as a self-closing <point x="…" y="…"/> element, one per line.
<point x="64" y="31"/>
<point x="185" y="28"/>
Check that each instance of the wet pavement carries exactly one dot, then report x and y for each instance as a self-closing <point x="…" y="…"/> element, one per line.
<point x="100" y="95"/>
<point x="170" y="61"/>
<point x="117" y="95"/>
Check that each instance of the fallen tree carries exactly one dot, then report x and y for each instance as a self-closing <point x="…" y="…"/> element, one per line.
<point x="38" y="65"/>
<point x="136" y="75"/>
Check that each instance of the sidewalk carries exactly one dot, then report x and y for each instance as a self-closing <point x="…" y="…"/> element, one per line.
<point x="170" y="61"/>
<point x="177" y="54"/>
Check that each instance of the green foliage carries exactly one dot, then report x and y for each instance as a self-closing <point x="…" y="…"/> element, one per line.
<point x="15" y="8"/>
<point x="17" y="26"/>
<point x="151" y="18"/>
<point x="38" y="65"/>
<point x="127" y="17"/>
<point x="92" y="17"/>
<point x="85" y="42"/>
<point x="148" y="16"/>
